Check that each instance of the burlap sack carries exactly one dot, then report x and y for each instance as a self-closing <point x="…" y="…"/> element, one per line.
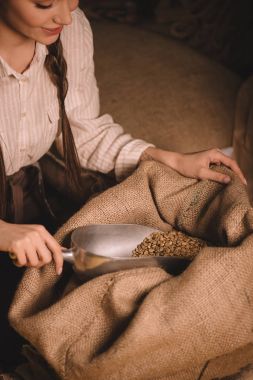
<point x="243" y="132"/>
<point x="144" y="323"/>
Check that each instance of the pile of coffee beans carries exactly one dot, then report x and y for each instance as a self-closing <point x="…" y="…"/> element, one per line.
<point x="173" y="243"/>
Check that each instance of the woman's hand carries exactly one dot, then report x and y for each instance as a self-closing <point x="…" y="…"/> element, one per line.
<point x="30" y="245"/>
<point x="196" y="165"/>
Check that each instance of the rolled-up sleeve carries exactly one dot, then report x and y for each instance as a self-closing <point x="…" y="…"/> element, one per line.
<point x="102" y="144"/>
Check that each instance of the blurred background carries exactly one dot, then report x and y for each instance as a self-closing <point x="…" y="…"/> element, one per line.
<point x="178" y="73"/>
<point x="223" y="30"/>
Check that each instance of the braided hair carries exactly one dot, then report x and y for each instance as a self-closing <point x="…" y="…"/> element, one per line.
<point x="3" y="187"/>
<point x="56" y="67"/>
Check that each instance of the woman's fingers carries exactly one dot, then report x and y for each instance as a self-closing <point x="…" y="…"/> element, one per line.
<point x="207" y="173"/>
<point x="32" y="257"/>
<point x="58" y="259"/>
<point x="44" y="255"/>
<point x="55" y="250"/>
<point x="229" y="162"/>
<point x="19" y="259"/>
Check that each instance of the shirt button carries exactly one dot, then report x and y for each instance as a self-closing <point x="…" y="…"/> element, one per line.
<point x="22" y="81"/>
<point x="23" y="114"/>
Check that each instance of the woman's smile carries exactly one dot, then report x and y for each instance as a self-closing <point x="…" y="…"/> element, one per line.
<point x="52" y="31"/>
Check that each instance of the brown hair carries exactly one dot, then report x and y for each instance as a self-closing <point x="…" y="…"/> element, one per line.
<point x="3" y="185"/>
<point x="57" y="70"/>
<point x="56" y="66"/>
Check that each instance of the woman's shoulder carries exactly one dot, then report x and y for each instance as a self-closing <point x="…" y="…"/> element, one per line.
<point x="80" y="20"/>
<point x="78" y="35"/>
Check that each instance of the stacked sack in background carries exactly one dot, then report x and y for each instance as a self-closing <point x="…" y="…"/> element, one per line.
<point x="243" y="132"/>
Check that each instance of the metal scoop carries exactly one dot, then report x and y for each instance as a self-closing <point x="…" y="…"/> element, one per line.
<point x="102" y="248"/>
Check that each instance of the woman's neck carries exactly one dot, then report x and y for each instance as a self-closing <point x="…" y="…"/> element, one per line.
<point x="15" y="49"/>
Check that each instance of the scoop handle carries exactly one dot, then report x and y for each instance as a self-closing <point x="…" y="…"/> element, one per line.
<point x="68" y="255"/>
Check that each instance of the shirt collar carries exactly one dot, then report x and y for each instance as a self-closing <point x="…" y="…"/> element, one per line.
<point x="5" y="69"/>
<point x="39" y="56"/>
<point x="40" y="51"/>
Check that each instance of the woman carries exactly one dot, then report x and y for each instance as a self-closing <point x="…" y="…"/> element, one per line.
<point x="48" y="94"/>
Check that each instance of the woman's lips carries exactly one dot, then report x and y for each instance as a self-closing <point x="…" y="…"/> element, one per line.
<point x="52" y="31"/>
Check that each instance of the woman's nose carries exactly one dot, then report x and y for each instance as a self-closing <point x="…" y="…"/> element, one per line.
<point x="63" y="16"/>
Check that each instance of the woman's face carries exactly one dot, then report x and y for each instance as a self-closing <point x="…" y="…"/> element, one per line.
<point x="39" y="20"/>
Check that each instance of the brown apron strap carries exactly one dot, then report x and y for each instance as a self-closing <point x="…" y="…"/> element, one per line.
<point x="16" y="181"/>
<point x="27" y="180"/>
<point x="42" y="193"/>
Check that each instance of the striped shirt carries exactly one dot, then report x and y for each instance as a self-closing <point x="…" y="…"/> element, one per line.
<point x="29" y="110"/>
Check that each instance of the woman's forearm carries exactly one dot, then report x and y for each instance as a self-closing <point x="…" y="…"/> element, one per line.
<point x="156" y="154"/>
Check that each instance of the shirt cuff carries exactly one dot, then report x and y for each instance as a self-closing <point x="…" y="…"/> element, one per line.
<point x="129" y="157"/>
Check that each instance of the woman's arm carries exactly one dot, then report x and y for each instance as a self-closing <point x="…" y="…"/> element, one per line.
<point x="102" y="144"/>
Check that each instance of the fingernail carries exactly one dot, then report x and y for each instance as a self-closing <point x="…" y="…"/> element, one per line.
<point x="59" y="271"/>
<point x="245" y="182"/>
<point x="226" y="179"/>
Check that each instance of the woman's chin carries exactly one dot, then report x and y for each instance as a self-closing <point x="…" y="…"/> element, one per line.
<point x="48" y="40"/>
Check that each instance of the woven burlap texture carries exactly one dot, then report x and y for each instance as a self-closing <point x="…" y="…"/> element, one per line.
<point x="144" y="323"/>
